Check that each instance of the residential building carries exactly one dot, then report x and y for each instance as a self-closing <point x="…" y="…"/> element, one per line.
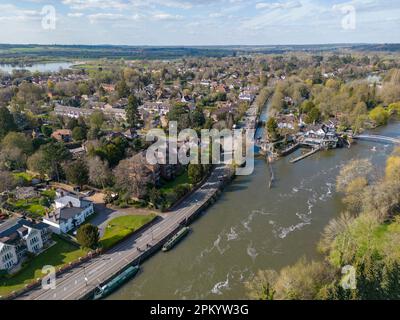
<point x="18" y="237"/>
<point x="246" y="96"/>
<point x="64" y="135"/>
<point x="69" y="212"/>
<point x="72" y="112"/>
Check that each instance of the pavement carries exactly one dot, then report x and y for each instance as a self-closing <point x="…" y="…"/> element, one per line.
<point x="82" y="280"/>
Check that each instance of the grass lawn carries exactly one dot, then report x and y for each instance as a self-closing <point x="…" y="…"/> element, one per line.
<point x="51" y="194"/>
<point x="26" y="177"/>
<point x="31" y="205"/>
<point x="34" y="205"/>
<point x="171" y="185"/>
<point x="58" y="255"/>
<point x="121" y="227"/>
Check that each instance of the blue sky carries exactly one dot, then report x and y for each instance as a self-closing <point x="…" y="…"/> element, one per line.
<point x="202" y="22"/>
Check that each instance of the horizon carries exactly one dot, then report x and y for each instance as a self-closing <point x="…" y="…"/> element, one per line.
<point x="201" y="45"/>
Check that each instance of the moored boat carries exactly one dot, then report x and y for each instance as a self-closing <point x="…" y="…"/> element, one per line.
<point x="175" y="239"/>
<point x="114" y="284"/>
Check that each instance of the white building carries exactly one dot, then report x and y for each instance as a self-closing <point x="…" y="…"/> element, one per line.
<point x="19" y="236"/>
<point x="70" y="211"/>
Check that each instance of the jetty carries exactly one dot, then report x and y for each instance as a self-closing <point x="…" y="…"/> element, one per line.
<point x="306" y="155"/>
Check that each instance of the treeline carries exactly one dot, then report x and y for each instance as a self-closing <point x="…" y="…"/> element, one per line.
<point x="357" y="104"/>
<point x="366" y="238"/>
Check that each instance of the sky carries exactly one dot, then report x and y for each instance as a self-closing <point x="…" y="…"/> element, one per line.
<point x="199" y="22"/>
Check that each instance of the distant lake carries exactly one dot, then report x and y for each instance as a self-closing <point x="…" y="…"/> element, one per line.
<point x="39" y="67"/>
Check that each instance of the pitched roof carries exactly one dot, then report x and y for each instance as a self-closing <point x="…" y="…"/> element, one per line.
<point x="10" y="228"/>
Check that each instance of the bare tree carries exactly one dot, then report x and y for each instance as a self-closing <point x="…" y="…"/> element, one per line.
<point x="7" y="181"/>
<point x="99" y="173"/>
<point x="135" y="174"/>
<point x="353" y="170"/>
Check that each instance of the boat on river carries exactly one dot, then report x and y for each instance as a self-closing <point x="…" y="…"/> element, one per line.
<point x="175" y="239"/>
<point x="117" y="282"/>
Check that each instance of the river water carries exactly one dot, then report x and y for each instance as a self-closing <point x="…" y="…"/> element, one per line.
<point x="39" y="67"/>
<point x="252" y="227"/>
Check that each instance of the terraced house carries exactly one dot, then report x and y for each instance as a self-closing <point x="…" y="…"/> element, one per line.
<point x="18" y="237"/>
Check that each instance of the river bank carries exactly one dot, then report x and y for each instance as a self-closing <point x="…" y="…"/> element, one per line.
<point x="252" y="227"/>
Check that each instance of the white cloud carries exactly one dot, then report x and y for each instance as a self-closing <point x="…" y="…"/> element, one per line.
<point x="104" y="17"/>
<point x="75" y="15"/>
<point x="278" y="5"/>
<point x="14" y="13"/>
<point x="166" y="17"/>
<point x="216" y="15"/>
<point x="95" y="4"/>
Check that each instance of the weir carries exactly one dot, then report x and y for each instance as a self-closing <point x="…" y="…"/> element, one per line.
<point x="378" y="138"/>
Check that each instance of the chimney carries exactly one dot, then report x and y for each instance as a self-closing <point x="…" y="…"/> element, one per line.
<point x="70" y="205"/>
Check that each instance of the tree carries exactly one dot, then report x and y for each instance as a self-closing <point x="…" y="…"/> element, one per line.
<point x="393" y="168"/>
<point x="122" y="89"/>
<point x="195" y="173"/>
<point x="261" y="286"/>
<point x="88" y="236"/>
<point x="132" y="113"/>
<point x="302" y="281"/>
<point x="7" y="181"/>
<point x="77" y="173"/>
<point x="379" y="115"/>
<point x="53" y="154"/>
<point x="18" y="140"/>
<point x="36" y="163"/>
<point x="180" y="113"/>
<point x="351" y="171"/>
<point x="313" y="116"/>
<point x="7" y="123"/>
<point x="134" y="175"/>
<point x="72" y="123"/>
<point x="99" y="173"/>
<point x="394" y="109"/>
<point x="307" y="106"/>
<point x="12" y="158"/>
<point x="113" y="151"/>
<point x="272" y="128"/>
<point x="96" y="119"/>
<point x="79" y="134"/>
<point x="46" y="130"/>
<point x="197" y="118"/>
<point x="50" y="85"/>
<point x="154" y="196"/>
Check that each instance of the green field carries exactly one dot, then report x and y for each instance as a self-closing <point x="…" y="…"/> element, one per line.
<point x="58" y="255"/>
<point x="121" y="227"/>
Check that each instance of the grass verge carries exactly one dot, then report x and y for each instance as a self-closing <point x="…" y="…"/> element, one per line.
<point x="121" y="227"/>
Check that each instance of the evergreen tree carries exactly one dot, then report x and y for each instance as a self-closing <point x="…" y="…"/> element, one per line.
<point x="7" y="123"/>
<point x="132" y="112"/>
<point x="88" y="236"/>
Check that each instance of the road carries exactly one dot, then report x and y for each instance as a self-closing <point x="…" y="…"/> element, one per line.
<point x="82" y="280"/>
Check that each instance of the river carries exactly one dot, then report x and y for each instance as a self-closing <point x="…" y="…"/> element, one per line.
<point x="39" y="67"/>
<point x="252" y="227"/>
